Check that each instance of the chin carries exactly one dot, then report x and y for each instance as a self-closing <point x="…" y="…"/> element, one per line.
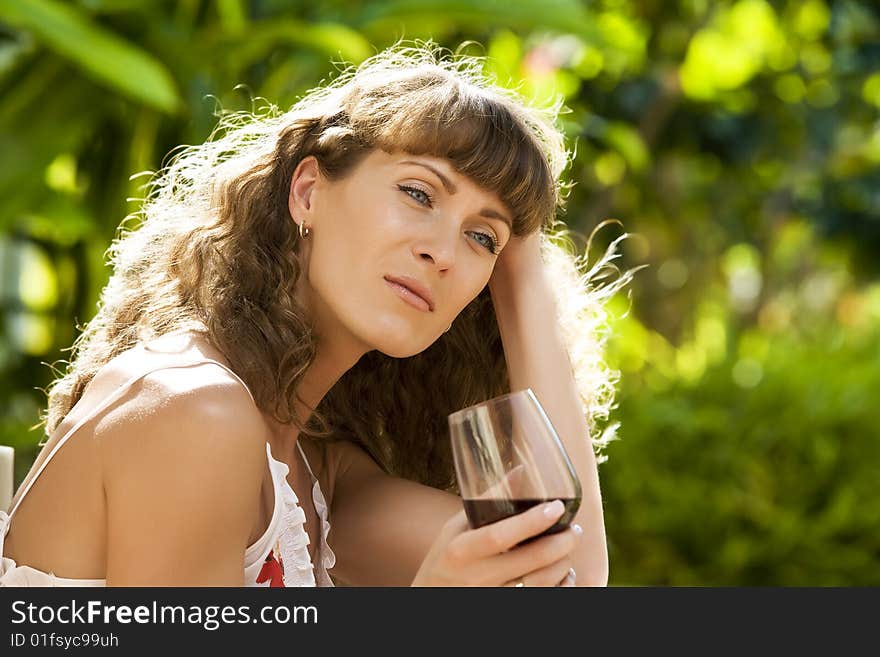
<point x="396" y="338"/>
<point x="402" y="347"/>
<point x="399" y="350"/>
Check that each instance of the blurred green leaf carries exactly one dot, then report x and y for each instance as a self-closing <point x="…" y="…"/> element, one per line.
<point x="113" y="6"/>
<point x="567" y="16"/>
<point x="733" y="49"/>
<point x="232" y="15"/>
<point x="628" y="142"/>
<point x="37" y="141"/>
<point x="331" y="39"/>
<point x="13" y="52"/>
<point x="100" y="53"/>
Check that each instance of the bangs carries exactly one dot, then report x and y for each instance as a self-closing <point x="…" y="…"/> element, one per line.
<point x="477" y="133"/>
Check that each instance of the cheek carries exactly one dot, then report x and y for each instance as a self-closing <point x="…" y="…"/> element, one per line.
<point x="336" y="262"/>
<point x="469" y="290"/>
<point x="345" y="271"/>
<point x="345" y="237"/>
<point x="480" y="279"/>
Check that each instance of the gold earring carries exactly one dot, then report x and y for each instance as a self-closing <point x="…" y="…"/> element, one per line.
<point x="447" y="328"/>
<point x="304" y="230"/>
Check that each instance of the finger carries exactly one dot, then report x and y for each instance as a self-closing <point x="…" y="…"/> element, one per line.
<point x="498" y="537"/>
<point x="534" y="556"/>
<point x="458" y="523"/>
<point x="552" y="575"/>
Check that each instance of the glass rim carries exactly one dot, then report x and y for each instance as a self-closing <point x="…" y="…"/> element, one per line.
<point x="456" y="415"/>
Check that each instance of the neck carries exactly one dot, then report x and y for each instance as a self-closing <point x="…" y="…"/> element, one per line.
<point x="328" y="367"/>
<point x="337" y="352"/>
<point x="333" y="358"/>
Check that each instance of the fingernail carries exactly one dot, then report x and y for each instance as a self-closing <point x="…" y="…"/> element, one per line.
<point x="553" y="509"/>
<point x="577" y="529"/>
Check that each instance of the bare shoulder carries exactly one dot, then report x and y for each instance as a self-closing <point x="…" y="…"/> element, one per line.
<point x="183" y="462"/>
<point x="199" y="417"/>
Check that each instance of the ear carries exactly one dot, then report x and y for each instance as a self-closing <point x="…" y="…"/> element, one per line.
<point x="302" y="184"/>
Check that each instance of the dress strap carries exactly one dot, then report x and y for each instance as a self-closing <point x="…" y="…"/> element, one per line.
<point x="326" y="557"/>
<point x="115" y="396"/>
<point x="305" y="460"/>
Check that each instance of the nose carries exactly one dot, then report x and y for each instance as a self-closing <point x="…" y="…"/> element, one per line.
<point x="438" y="249"/>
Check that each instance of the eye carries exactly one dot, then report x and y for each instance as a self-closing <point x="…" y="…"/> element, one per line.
<point x="490" y="244"/>
<point x="424" y="198"/>
<point x="414" y="191"/>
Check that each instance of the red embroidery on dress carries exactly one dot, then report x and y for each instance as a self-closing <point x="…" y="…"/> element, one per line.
<point x="272" y="571"/>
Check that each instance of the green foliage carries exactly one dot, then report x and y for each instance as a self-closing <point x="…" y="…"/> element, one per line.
<point x="738" y="142"/>
<point x="770" y="484"/>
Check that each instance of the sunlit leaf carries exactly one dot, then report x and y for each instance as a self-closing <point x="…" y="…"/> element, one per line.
<point x="812" y="18"/>
<point x="31" y="333"/>
<point x="232" y="15"/>
<point x="609" y="168"/>
<point x="623" y="42"/>
<point x="732" y="50"/>
<point x="37" y="281"/>
<point x="61" y="173"/>
<point x="628" y="143"/>
<point x="790" y="88"/>
<point x="590" y="62"/>
<point x="871" y="89"/>
<point x="505" y="58"/>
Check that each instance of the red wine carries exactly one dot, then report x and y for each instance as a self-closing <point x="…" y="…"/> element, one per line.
<point x="482" y="512"/>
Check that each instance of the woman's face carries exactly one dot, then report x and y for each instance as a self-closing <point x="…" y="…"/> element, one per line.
<point x="399" y="217"/>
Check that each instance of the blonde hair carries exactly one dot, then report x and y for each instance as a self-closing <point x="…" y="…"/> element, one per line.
<point x="217" y="250"/>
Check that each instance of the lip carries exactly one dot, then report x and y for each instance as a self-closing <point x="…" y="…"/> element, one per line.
<point x="415" y="287"/>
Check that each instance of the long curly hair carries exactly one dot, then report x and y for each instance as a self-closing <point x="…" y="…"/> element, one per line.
<point x="215" y="249"/>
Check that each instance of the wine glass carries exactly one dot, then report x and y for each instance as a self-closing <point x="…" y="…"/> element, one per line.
<point x="509" y="458"/>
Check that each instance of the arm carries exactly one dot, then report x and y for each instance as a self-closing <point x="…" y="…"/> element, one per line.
<point x="537" y="358"/>
<point x="182" y="480"/>
<point x="382" y="526"/>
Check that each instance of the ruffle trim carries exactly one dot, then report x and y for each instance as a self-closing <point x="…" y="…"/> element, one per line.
<point x="293" y="542"/>
<point x="324" y="552"/>
<point x="327" y="554"/>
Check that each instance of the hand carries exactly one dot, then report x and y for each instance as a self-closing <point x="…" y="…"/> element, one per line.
<point x="492" y="556"/>
<point x="521" y="256"/>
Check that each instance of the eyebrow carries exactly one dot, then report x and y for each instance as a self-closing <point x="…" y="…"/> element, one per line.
<point x="489" y="213"/>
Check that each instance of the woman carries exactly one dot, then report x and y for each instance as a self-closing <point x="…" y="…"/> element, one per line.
<point x="308" y="295"/>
